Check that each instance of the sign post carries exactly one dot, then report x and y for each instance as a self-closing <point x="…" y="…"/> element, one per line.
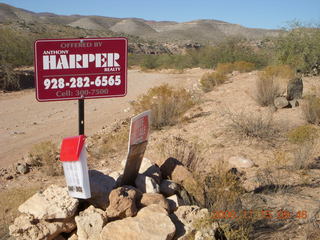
<point x="79" y="69"/>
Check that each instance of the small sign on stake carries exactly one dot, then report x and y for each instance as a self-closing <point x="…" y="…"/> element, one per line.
<point x="138" y="140"/>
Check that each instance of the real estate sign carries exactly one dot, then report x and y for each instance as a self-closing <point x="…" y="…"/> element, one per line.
<point x="68" y="69"/>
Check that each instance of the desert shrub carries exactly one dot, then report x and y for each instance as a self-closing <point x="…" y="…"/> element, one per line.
<point x="253" y="125"/>
<point x="243" y="66"/>
<point x="46" y="156"/>
<point x="240" y="66"/>
<point x="305" y="140"/>
<point x="190" y="153"/>
<point x="8" y="80"/>
<point x="311" y="109"/>
<point x="302" y="134"/>
<point x="267" y="88"/>
<point x="222" y="188"/>
<point x="277" y="72"/>
<point x="225" y="68"/>
<point x="166" y="103"/>
<point x="209" y="80"/>
<point x="299" y="47"/>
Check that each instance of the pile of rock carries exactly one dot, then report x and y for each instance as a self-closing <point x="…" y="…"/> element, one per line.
<point x="155" y="208"/>
<point x="294" y="92"/>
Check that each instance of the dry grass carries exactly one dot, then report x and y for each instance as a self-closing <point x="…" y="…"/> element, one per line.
<point x="46" y="156"/>
<point x="210" y="80"/>
<point x="253" y="125"/>
<point x="241" y="66"/>
<point x="167" y="105"/>
<point x="222" y="188"/>
<point x="267" y="89"/>
<point x="10" y="201"/>
<point x="271" y="83"/>
<point x="306" y="142"/>
<point x="190" y="154"/>
<point x="311" y="109"/>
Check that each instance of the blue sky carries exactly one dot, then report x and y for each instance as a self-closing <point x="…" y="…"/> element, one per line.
<point x="249" y="13"/>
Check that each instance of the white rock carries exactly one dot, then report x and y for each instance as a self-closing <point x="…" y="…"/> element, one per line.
<point x="26" y="227"/>
<point x="90" y="223"/>
<point x="185" y="217"/>
<point x="240" y="162"/>
<point x="151" y="223"/>
<point x="53" y="203"/>
<point x="145" y="165"/>
<point x="147" y="184"/>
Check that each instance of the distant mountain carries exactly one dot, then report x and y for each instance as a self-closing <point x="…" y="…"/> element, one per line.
<point x="202" y="31"/>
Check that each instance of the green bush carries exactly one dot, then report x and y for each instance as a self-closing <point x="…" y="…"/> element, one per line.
<point x="299" y="47"/>
<point x="167" y="105"/>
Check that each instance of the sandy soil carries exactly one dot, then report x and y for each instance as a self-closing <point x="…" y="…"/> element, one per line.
<point x="25" y="122"/>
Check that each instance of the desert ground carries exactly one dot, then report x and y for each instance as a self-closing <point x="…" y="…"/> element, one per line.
<point x="271" y="182"/>
<point x="25" y="121"/>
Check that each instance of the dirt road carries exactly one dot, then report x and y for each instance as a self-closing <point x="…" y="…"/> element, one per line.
<point x="25" y="122"/>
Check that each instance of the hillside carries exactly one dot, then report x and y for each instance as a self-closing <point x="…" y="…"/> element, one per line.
<point x="202" y="31"/>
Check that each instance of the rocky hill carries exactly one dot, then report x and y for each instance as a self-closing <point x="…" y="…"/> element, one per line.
<point x="202" y="31"/>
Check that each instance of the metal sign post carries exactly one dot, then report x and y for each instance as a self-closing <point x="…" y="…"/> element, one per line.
<point x="81" y="116"/>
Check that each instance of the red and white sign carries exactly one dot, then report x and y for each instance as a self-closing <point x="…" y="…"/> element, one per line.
<point x="139" y="129"/>
<point x="67" y="69"/>
<point x="73" y="156"/>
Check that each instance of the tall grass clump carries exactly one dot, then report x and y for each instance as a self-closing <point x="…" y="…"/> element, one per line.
<point x="210" y="80"/>
<point x="311" y="109"/>
<point x="268" y="84"/>
<point x="166" y="103"/>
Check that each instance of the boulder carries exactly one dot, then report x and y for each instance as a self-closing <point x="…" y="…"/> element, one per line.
<point x="154" y="198"/>
<point x="100" y="185"/>
<point x="294" y="89"/>
<point x="145" y="165"/>
<point x="212" y="231"/>
<point x="193" y="191"/>
<point x="240" y="162"/>
<point x="174" y="202"/>
<point x="90" y="223"/>
<point x="53" y="203"/>
<point x="294" y="103"/>
<point x="151" y="222"/>
<point x="168" y="188"/>
<point x="123" y="202"/>
<point x="146" y="184"/>
<point x="26" y="227"/>
<point x="22" y="168"/>
<point x="168" y="166"/>
<point x="73" y="237"/>
<point x="185" y="217"/>
<point x="280" y="102"/>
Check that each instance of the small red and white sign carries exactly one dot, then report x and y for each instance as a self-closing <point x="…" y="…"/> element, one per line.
<point x="139" y="129"/>
<point x="73" y="156"/>
<point x="67" y="69"/>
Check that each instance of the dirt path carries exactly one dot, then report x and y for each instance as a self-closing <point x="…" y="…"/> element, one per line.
<point x="25" y="122"/>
